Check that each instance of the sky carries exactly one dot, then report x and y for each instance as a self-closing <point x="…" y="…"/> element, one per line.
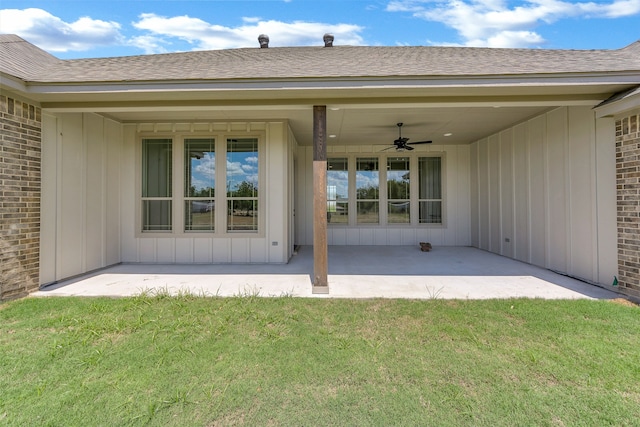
<point x="97" y="28"/>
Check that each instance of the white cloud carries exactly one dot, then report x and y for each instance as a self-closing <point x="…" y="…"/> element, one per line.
<point x="507" y="39"/>
<point x="496" y="23"/>
<point x="52" y="33"/>
<point x="204" y="35"/>
<point x="201" y="184"/>
<point x="206" y="167"/>
<point x="150" y="44"/>
<point x="339" y="180"/>
<point x="367" y="179"/>
<point x="251" y="20"/>
<point x="614" y="9"/>
<point x="158" y="33"/>
<point x="234" y="169"/>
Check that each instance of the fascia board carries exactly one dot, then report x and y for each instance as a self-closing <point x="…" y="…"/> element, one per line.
<point x="10" y="82"/>
<point x="331" y="83"/>
<point x="618" y="107"/>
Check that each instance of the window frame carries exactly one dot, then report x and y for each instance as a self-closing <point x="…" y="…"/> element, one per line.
<point x="178" y="199"/>
<point x="377" y="201"/>
<point x="442" y="193"/>
<point x="187" y="198"/>
<point x="383" y="198"/>
<point x="333" y="209"/>
<point x="389" y="200"/>
<point x="157" y="198"/>
<point x="229" y="199"/>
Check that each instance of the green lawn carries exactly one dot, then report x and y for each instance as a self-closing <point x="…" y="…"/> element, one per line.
<point x="188" y="360"/>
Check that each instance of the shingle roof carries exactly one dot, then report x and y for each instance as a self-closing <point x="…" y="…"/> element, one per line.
<point x="20" y="58"/>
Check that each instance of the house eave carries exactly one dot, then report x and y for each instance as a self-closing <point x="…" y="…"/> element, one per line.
<point x="597" y="86"/>
<point x="619" y="103"/>
<point x="13" y="83"/>
<point x="347" y="81"/>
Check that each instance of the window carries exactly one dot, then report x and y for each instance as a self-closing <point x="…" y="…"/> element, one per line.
<point x="156" y="184"/>
<point x="338" y="191"/>
<point x="430" y="190"/>
<point x="367" y="190"/>
<point x="386" y="197"/>
<point x="200" y="184"/>
<point x="398" y="191"/>
<point x="242" y="184"/>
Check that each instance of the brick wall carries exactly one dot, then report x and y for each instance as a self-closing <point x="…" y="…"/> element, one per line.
<point x="20" y="141"/>
<point x="628" y="189"/>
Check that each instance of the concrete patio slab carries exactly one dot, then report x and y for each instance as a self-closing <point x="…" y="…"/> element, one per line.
<point x="354" y="272"/>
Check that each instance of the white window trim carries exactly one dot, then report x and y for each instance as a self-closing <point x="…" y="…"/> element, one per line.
<point x="412" y="180"/>
<point x="178" y="198"/>
<point x="382" y="176"/>
<point x="443" y="190"/>
<point x="383" y="196"/>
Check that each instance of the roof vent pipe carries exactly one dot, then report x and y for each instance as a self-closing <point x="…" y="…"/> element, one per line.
<point x="328" y="40"/>
<point x="263" y="39"/>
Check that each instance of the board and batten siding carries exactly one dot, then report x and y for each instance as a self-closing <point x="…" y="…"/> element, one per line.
<point x="456" y="210"/>
<point x="271" y="246"/>
<point x="80" y="225"/>
<point x="544" y="193"/>
<point x="89" y="202"/>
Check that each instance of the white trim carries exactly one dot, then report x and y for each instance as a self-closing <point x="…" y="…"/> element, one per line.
<point x="382" y="199"/>
<point x="492" y="80"/>
<point x="177" y="198"/>
<point x="617" y="108"/>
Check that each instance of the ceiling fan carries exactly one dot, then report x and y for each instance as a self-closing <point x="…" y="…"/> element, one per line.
<point x="402" y="144"/>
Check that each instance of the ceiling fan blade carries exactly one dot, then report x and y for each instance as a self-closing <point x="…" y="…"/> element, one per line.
<point x="389" y="148"/>
<point x="402" y="143"/>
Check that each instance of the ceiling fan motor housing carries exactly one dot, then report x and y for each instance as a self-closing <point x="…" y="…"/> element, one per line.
<point x="402" y="143"/>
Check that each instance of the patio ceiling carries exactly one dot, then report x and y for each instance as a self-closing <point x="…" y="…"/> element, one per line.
<point x="371" y="125"/>
<point x="356" y="116"/>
